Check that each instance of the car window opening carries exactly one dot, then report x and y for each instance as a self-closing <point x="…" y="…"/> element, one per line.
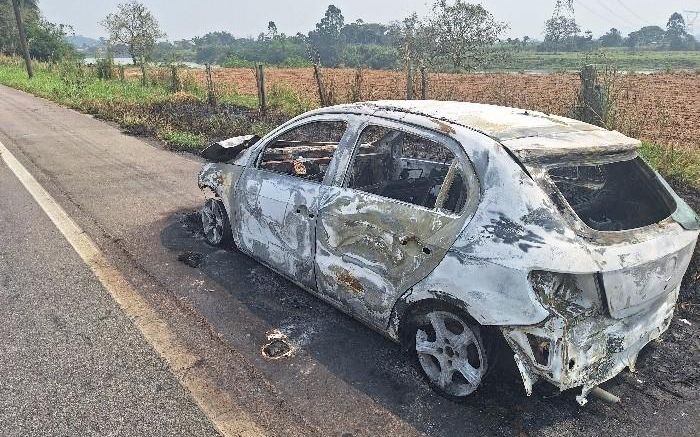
<point x="304" y="152"/>
<point x="408" y="168"/>
<point x="614" y="197"/>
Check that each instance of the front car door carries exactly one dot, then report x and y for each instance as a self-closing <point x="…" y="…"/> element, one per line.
<point x="277" y="196"/>
<point x="391" y="217"/>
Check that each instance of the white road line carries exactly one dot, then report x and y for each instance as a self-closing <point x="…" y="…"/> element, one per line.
<point x="215" y="404"/>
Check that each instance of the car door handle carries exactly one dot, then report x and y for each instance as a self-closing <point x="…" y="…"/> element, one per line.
<point x="302" y="209"/>
<point x="408" y="238"/>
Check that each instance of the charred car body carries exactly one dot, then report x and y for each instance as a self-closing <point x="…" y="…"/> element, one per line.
<point x="431" y="220"/>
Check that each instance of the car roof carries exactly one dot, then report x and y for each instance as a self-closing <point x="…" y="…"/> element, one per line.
<point x="520" y="130"/>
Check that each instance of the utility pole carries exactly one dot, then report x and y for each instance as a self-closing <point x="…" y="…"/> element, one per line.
<point x="22" y="38"/>
<point x="691" y="18"/>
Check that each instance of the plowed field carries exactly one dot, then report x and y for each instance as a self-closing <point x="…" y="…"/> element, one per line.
<point x="662" y="107"/>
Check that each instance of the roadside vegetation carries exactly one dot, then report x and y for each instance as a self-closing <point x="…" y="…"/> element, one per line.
<point x="182" y="119"/>
<point x="188" y="108"/>
<point x="679" y="165"/>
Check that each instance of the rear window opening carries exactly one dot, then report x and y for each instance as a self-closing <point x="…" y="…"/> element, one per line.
<point x="614" y="197"/>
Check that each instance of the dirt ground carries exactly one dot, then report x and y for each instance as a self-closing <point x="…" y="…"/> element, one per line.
<point x="663" y="107"/>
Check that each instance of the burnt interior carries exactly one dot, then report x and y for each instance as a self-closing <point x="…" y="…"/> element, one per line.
<point x="615" y="196"/>
<point x="388" y="162"/>
<point x="408" y="168"/>
<point x="305" y="151"/>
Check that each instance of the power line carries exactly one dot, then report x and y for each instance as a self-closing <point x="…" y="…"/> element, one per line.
<point x="631" y="11"/>
<point x="594" y="12"/>
<point x="616" y="15"/>
<point x="692" y="17"/>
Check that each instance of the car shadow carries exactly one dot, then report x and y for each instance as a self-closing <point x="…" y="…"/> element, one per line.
<point x="361" y="357"/>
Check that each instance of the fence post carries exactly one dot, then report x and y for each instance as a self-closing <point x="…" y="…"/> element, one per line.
<point x="260" y="84"/>
<point x="121" y="73"/>
<point x="22" y="38"/>
<point x="356" y="86"/>
<point x="423" y="82"/>
<point x="175" y="83"/>
<point x="211" y="96"/>
<point x="321" y="86"/>
<point x="591" y="106"/>
<point x="409" y="80"/>
<point x="143" y="74"/>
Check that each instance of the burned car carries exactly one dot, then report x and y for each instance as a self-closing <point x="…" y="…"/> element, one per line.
<point x="441" y="223"/>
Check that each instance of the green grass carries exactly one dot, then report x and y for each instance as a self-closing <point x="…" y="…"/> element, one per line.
<point x="182" y="120"/>
<point x="679" y="166"/>
<point x="288" y="101"/>
<point x="621" y="59"/>
<point x="243" y="100"/>
<point x="79" y="92"/>
<point x="183" y="140"/>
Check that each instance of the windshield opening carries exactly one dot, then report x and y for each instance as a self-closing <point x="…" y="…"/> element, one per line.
<point x="616" y="196"/>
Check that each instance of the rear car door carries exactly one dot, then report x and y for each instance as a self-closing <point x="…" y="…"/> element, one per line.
<point x="389" y="219"/>
<point x="277" y="196"/>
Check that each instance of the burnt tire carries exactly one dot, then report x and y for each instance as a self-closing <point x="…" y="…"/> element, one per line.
<point x="448" y="350"/>
<point x="215" y="223"/>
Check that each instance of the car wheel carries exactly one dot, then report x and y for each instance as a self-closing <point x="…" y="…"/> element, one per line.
<point x="215" y="224"/>
<point x="449" y="352"/>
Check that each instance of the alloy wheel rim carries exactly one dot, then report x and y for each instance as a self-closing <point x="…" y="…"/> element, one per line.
<point x="212" y="221"/>
<point x="450" y="354"/>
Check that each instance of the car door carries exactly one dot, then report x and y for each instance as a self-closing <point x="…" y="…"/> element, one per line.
<point x="392" y="216"/>
<point x="278" y="194"/>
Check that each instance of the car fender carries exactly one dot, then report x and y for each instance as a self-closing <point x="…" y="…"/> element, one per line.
<point x="220" y="180"/>
<point x="490" y="293"/>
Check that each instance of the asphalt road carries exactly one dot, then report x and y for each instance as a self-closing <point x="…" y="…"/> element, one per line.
<point x="71" y="363"/>
<point x="136" y="201"/>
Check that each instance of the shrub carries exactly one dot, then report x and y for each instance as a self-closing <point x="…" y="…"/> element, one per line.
<point x="679" y="165"/>
<point x="284" y="99"/>
<point x="104" y="68"/>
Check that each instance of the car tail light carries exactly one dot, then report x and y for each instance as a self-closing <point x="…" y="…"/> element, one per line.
<point x="566" y="292"/>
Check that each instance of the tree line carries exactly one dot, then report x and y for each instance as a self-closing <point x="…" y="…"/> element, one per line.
<point x="562" y="33"/>
<point x="46" y="39"/>
<point x="454" y="35"/>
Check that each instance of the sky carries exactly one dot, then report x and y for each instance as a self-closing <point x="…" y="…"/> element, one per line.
<point x="187" y="18"/>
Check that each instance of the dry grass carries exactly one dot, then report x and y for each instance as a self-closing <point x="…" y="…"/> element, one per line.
<point x="662" y="108"/>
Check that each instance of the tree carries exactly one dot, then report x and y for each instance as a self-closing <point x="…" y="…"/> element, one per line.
<point x="47" y="40"/>
<point x="646" y="36"/>
<point x="360" y="32"/>
<point x="560" y="33"/>
<point x="325" y="42"/>
<point x="676" y="36"/>
<point x="272" y="32"/>
<point x="30" y="5"/>
<point x="134" y="26"/>
<point x="22" y="37"/>
<point x="462" y="33"/>
<point x="613" y="38"/>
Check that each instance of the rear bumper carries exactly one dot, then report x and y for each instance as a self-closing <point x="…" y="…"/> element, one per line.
<point x="588" y="349"/>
